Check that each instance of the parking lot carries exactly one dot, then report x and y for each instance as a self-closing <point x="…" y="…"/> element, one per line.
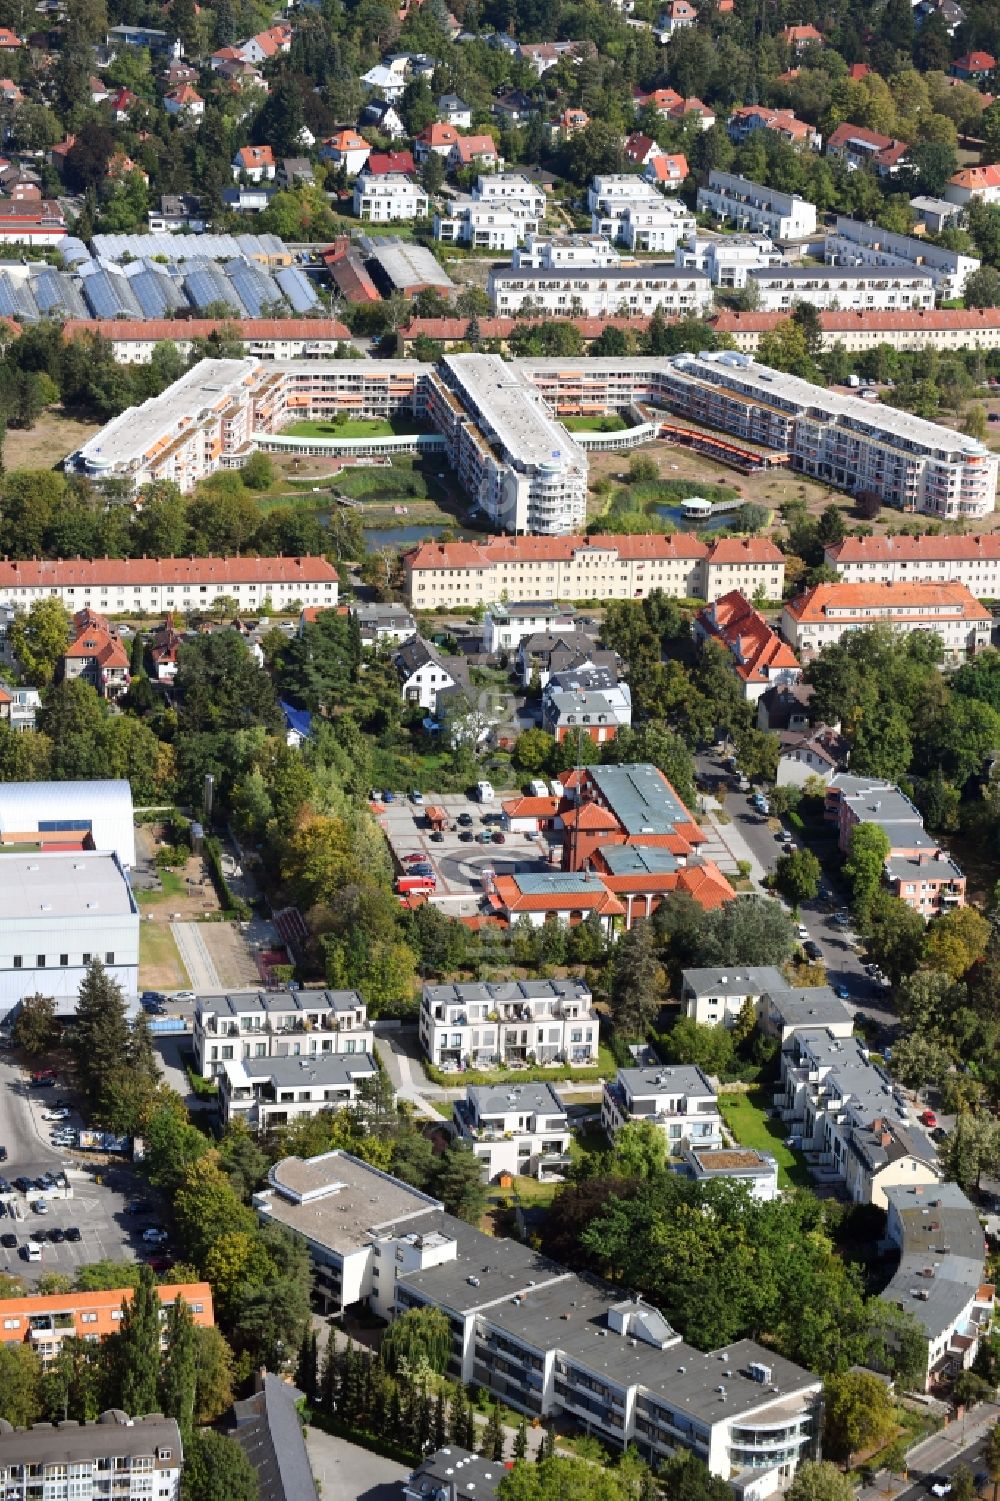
<point x="457" y="859"/>
<point x="99" y="1192"/>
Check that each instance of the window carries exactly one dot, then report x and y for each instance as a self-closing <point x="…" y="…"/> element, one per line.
<point x="39" y="961"/>
<point x="109" y="957"/>
<point x="12" y="1323"/>
<point x="18" y="961"/>
<point x="88" y="1318"/>
<point x="63" y="960"/>
<point x="87" y="958"/>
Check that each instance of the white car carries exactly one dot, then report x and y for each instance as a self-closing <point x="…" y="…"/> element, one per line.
<point x="183" y="995"/>
<point x="803" y="932"/>
<point x="59" y="1114"/>
<point x="154" y="1236"/>
<point x="941" y="1488"/>
<point x="40" y="1206"/>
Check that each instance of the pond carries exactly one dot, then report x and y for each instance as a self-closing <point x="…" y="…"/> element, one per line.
<point x="677" y="516"/>
<point x="402" y="536"/>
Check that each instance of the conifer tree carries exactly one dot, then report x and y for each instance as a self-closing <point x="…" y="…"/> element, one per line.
<point x="138" y="1347"/>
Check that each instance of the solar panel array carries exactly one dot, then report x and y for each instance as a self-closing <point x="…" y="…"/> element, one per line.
<point x="150" y="277"/>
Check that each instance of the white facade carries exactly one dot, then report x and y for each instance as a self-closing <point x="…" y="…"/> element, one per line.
<point x="58" y="912"/>
<point x="677" y="1099"/>
<point x="552" y="252"/>
<point x="254" y="1024"/>
<point x="655" y="227"/>
<point x="481" y="1025"/>
<point x="854" y="243"/>
<point x="833" y="287"/>
<point x="268" y="1093"/>
<point x="515" y="1128"/>
<point x="726" y="259"/>
<point x="757" y="1171"/>
<point x="422" y="674"/>
<point x="394" y="196"/>
<point x="635" y="290"/>
<point x="500" y="225"/>
<point x="823" y="615"/>
<point x="751" y="206"/>
<point x="609" y="197"/>
<point x="157" y="585"/>
<point x="970" y="560"/>
<point x="505" y="625"/>
<point x="144" y="1454"/>
<point x="99" y="811"/>
<point x="714" y="997"/>
<point x="510" y="187"/>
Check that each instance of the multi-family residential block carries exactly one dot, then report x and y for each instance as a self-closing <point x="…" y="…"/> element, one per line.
<point x="786" y="1010"/>
<point x="862" y="148"/>
<point x="548" y="652"/>
<point x="649" y="227"/>
<point x="758" y="1171"/>
<point x="714" y="997"/>
<point x="423" y="673"/>
<point x="917" y="869"/>
<point x="119" y="586"/>
<point x="808" y="754"/>
<point x="268" y="1093"/>
<point x="727" y="259"/>
<point x="506" y="624"/>
<point x="973" y="561"/>
<point x="779" y="289"/>
<point x="857" y="332"/>
<point x="537" y="1336"/>
<point x="46" y="1321"/>
<point x="486" y="225"/>
<point x="682" y="566"/>
<point x="586" y="701"/>
<point x="855" y="243"/>
<point x="757" y="654"/>
<point x="552" y="252"/>
<point x="752" y="206"/>
<point x="59" y="911"/>
<point x="942" y="1278"/>
<point x="611" y="195"/>
<point x="825" y="613"/>
<point x="393" y="196"/>
<point x="972" y="185"/>
<point x="135" y="1459"/>
<point x="255" y="1024"/>
<point x="600" y="291"/>
<point x="742" y="124"/>
<point x="382" y="624"/>
<point x="853" y="1128"/>
<point x="515" y="1128"/>
<point x="678" y="1100"/>
<point x="483" y="1024"/>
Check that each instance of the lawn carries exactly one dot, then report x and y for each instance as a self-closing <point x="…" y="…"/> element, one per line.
<point x="747" y="1118"/>
<point x="173" y="888"/>
<point x="605" y="1068"/>
<point x="357" y="427"/>
<point x="160" y="965"/>
<point x="606" y="422"/>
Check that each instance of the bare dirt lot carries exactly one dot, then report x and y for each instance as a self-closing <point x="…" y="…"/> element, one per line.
<point x="43" y="446"/>
<point x="773" y="488"/>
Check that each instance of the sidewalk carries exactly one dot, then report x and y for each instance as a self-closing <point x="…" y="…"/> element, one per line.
<point x="726" y="844"/>
<point x="939" y="1451"/>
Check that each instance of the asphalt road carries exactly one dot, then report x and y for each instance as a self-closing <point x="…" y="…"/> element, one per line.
<point x="22" y="1130"/>
<point x="843" y="964"/>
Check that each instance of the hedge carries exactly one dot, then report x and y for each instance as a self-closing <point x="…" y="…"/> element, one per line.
<point x="228" y="899"/>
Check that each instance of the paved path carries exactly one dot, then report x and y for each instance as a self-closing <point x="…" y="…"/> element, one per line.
<point x="961" y="1443"/>
<point x="193" y="950"/>
<point x="346" y="1472"/>
<point x="408" y="1079"/>
<point x="726" y="844"/>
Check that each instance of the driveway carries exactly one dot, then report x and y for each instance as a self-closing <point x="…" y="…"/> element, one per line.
<point x="346" y="1472"/>
<point x="198" y="961"/>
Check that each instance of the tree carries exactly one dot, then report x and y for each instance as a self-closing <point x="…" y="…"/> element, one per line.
<point x="711" y="1048"/>
<point x="419" y="1336"/>
<point x="533" y="751"/>
<point x="818" y="1480"/>
<point x="974" y="422"/>
<point x="137" y="1352"/>
<point x="556" y="1478"/>
<point x="38" y="639"/>
<point x="638" y="1150"/>
<point x="972" y="1149"/>
<point x="20" y="1385"/>
<point x="179" y="1375"/>
<point x="35" y="1026"/>
<point x="895" y="1343"/>
<point x="213" y="1374"/>
<point x="636" y="981"/>
<point x="216" y="1469"/>
<point x="955" y="941"/>
<point x="982" y="287"/>
<point x="751" y="930"/>
<point x="797" y="876"/>
<point x="858" y="1413"/>
<point x="991" y="1457"/>
<point x="493" y="1435"/>
<point x="895" y="936"/>
<point x="867" y="851"/>
<point x="100" y="1039"/>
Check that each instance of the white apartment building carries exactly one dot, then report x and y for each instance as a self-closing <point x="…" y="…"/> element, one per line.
<point x="515" y="1128"/>
<point x="553" y="252"/>
<point x="751" y="206"/>
<point x="133" y="341"/>
<point x="267" y="1093"/>
<point x="678" y="1099"/>
<point x="510" y="187"/>
<point x="971" y="560"/>
<point x="757" y="1171"/>
<point x="491" y="224"/>
<point x="778" y="290"/>
<point x="480" y="1025"/>
<point x="714" y="997"/>
<point x="141" y="1458"/>
<point x="656" y="227"/>
<point x="394" y="196"/>
<point x="628" y="290"/>
<point x="245" y="1024"/>
<point x="423" y="673"/>
<point x="942" y="1278"/>
<point x="610" y="196"/>
<point x="854" y="243"/>
<point x="58" y="912"/>
<point x="823" y="614"/>
<point x="440" y="575"/>
<point x="506" y="625"/>
<point x="726" y="259"/>
<point x="520" y="465"/>
<point x="537" y="1336"/>
<point x="118" y="586"/>
<point x="383" y="624"/>
<point x="849" y="1121"/>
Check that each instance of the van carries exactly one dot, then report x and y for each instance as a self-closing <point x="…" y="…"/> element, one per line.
<point x="31" y="1251"/>
<point x="406" y="884"/>
<point x="484" y="792"/>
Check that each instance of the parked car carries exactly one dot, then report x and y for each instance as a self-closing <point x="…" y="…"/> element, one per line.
<point x="40" y="1206"/>
<point x="802" y="931"/>
<point x="155" y="1236"/>
<point x="416" y="797"/>
<point x="465" y="819"/>
<point x="466" y="836"/>
<point x="31" y="1251"/>
<point x="842" y="993"/>
<point x="24" y="1184"/>
<point x="184" y="995"/>
<point x="484" y="837"/>
<point x="57" y="1235"/>
<point x="928" y="1118"/>
<point x="437" y="837"/>
<point x="73" y="1233"/>
<point x="406" y="884"/>
<point x="388" y="797"/>
<point x="41" y="1074"/>
<point x="60" y="1114"/>
<point x="941" y="1486"/>
<point x="498" y="837"/>
<point x="8" y="1241"/>
<point x="812" y="949"/>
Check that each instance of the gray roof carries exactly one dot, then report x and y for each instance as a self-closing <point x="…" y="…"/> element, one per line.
<point x="268" y="1430"/>
<point x="643" y="271"/>
<point x="814" y="1006"/>
<point x="672" y="1078"/>
<point x="836" y="273"/>
<point x="408" y="266"/>
<point x="640" y="797"/>
<point x="510" y="990"/>
<point x="638" y="859"/>
<point x="454" y="1474"/>
<point x="336" y="1200"/>
<point x="486" y="1270"/>
<point x="239" y="1002"/>
<point x="333" y="1069"/>
<point x="417" y="653"/>
<point x="936" y="866"/>
<point x="941" y="1235"/>
<point x="113" y="1436"/>
<point x="531" y="1099"/>
<point x="527" y="609"/>
<point x="732" y="980"/>
<point x="70" y="885"/>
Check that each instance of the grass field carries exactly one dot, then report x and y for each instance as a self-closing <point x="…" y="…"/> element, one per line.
<point x="609" y="422"/>
<point x="747" y="1118"/>
<point x="357" y="427"/>
<point x="53" y="436"/>
<point x="160" y="966"/>
<point x="173" y="888"/>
